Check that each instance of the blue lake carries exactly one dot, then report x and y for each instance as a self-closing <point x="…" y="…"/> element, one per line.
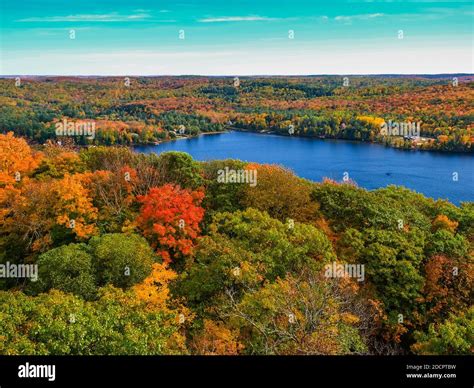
<point x="369" y="165"/>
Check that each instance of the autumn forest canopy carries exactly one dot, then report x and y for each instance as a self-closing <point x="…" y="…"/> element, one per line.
<point x="142" y="110"/>
<point x="154" y="254"/>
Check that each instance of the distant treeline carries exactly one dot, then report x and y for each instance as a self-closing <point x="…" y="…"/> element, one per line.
<point x="144" y="110"/>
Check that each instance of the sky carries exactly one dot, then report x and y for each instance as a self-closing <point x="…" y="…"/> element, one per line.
<point x="219" y="37"/>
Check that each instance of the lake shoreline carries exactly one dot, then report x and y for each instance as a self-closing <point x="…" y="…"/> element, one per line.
<point x="269" y="132"/>
<point x="371" y="165"/>
<point x="181" y="138"/>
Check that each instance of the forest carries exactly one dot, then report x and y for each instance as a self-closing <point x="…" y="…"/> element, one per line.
<point x="143" y="110"/>
<point x="151" y="254"/>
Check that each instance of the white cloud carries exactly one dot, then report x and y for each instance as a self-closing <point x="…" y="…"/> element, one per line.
<point x="110" y="17"/>
<point x="235" y="19"/>
<point x="358" y="17"/>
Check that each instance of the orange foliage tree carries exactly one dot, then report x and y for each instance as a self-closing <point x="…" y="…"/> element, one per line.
<point x="443" y="222"/>
<point x="448" y="286"/>
<point x="16" y="158"/>
<point x="33" y="209"/>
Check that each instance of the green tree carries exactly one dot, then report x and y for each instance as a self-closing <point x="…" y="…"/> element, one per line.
<point x="67" y="268"/>
<point x="121" y="259"/>
<point x="179" y="168"/>
<point x="393" y="261"/>
<point x="222" y="197"/>
<point x="454" y="336"/>
<point x="247" y="248"/>
<point x="63" y="324"/>
<point x="447" y="243"/>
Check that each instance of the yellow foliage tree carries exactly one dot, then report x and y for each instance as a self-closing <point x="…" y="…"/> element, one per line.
<point x="216" y="339"/>
<point x="154" y="289"/>
<point x="73" y="206"/>
<point x="155" y="293"/>
<point x="280" y="193"/>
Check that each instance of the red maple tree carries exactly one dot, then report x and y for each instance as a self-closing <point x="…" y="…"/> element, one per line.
<point x="169" y="218"/>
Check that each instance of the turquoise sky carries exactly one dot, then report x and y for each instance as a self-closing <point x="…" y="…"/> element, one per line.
<point x="142" y="37"/>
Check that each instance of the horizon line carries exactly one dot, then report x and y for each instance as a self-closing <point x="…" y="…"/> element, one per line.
<point x="232" y="75"/>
